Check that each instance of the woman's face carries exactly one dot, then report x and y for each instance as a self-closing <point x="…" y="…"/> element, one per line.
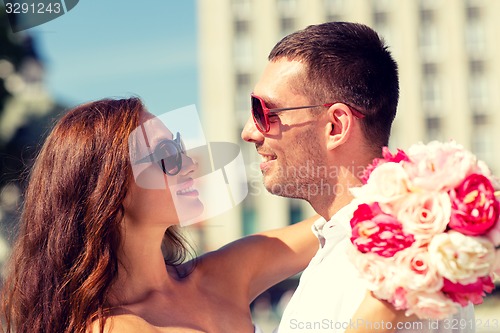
<point x="162" y="189"/>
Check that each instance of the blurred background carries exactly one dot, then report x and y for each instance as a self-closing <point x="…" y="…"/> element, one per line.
<point x="210" y="53"/>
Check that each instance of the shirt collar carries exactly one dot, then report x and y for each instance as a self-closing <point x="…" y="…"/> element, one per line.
<point x="338" y="226"/>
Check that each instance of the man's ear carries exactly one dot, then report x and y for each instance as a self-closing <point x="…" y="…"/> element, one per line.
<point x="339" y="125"/>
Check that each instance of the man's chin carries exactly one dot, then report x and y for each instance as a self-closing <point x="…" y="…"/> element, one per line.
<point x="282" y="190"/>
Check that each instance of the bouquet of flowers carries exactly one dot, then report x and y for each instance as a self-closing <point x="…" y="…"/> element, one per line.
<point x="426" y="229"/>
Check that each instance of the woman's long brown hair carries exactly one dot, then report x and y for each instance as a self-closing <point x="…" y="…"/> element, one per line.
<point x="65" y="258"/>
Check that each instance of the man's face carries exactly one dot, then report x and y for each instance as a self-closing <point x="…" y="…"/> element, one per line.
<point x="294" y="150"/>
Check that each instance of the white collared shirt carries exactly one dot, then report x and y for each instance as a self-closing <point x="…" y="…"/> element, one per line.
<point x="331" y="289"/>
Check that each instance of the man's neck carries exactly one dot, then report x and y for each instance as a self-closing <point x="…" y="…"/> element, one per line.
<point x="327" y="206"/>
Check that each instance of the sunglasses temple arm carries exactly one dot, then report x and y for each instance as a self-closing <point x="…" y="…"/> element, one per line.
<point x="294" y="108"/>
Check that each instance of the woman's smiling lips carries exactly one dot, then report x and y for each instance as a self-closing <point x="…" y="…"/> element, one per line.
<point x="187" y="188"/>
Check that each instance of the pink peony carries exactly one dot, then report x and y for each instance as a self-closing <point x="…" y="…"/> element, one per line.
<point x="474" y="207"/>
<point x="376" y="232"/>
<point x="440" y="166"/>
<point x="473" y="292"/>
<point x="387" y="157"/>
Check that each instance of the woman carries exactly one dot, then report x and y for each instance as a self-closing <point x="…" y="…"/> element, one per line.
<point x="98" y="251"/>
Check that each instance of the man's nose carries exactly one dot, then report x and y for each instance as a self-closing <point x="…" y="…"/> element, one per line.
<point x="250" y="133"/>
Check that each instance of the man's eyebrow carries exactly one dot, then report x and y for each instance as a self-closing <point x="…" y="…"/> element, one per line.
<point x="271" y="103"/>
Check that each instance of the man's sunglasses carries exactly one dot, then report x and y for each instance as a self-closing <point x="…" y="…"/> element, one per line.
<point x="260" y="112"/>
<point x="168" y="155"/>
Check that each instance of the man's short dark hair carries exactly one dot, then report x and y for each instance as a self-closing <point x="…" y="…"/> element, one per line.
<point x="350" y="63"/>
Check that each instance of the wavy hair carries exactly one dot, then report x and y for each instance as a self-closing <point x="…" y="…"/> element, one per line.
<point x="64" y="260"/>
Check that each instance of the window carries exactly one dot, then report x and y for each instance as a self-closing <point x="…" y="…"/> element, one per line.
<point x="476" y="67"/>
<point x="433" y="128"/>
<point x="473" y="13"/>
<point x="380" y="18"/>
<point x="287" y="14"/>
<point x="482" y="143"/>
<point x="429" y="69"/>
<point x="287" y="8"/>
<point x="242" y="51"/>
<point x="475" y="40"/>
<point x="241" y="27"/>
<point x="382" y="27"/>
<point x="428" y="36"/>
<point x="242" y="9"/>
<point x="478" y="93"/>
<point x="429" y="4"/>
<point x="287" y="25"/>
<point x="382" y="5"/>
<point x="334" y="9"/>
<point x="431" y="94"/>
<point x="242" y="96"/>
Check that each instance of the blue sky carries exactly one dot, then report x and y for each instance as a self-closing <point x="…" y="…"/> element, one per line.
<point x="112" y="48"/>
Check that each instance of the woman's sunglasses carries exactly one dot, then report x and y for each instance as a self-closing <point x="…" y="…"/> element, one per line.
<point x="260" y="112"/>
<point x="168" y="155"/>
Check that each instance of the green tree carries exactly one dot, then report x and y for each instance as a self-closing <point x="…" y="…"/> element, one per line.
<point x="18" y="150"/>
<point x="14" y="48"/>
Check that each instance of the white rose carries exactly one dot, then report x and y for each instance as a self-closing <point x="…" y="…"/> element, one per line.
<point x="387" y="183"/>
<point x="461" y="258"/>
<point x="424" y="214"/>
<point x="431" y="305"/>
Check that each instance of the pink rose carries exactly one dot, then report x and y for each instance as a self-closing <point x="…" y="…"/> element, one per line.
<point x="387" y="157"/>
<point x="378" y="272"/>
<point x="474" y="207"/>
<point x="473" y="292"/>
<point x="376" y="232"/>
<point x="399" y="299"/>
<point x="416" y="270"/>
<point x="424" y="214"/>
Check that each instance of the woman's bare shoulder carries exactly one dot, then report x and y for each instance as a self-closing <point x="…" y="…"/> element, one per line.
<point x="130" y="323"/>
<point x="123" y="323"/>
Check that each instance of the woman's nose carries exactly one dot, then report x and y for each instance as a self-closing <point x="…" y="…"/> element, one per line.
<point x="189" y="164"/>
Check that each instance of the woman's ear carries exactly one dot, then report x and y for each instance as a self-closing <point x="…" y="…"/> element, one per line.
<point x="339" y="125"/>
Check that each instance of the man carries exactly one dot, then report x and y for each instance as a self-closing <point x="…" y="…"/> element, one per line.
<point x="325" y="103"/>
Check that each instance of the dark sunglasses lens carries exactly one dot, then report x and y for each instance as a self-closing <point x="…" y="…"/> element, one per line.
<point x="169" y="157"/>
<point x="258" y="114"/>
